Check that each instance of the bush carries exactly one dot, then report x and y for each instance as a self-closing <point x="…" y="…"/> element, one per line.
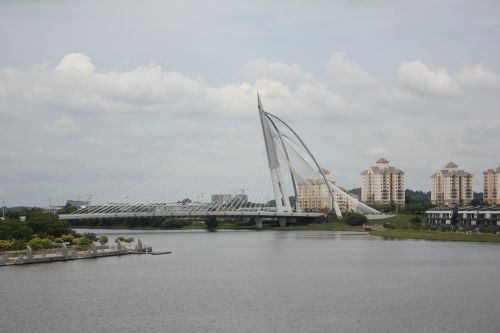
<point x="40" y="243"/>
<point x="91" y="236"/>
<point x="415" y="220"/>
<point x="389" y="226"/>
<point x="355" y="219"/>
<point x="6" y="245"/>
<point x="84" y="242"/>
<point x="488" y="229"/>
<point x="68" y="238"/>
<point x="173" y="223"/>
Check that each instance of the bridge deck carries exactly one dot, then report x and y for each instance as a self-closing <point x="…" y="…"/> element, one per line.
<point x="264" y="214"/>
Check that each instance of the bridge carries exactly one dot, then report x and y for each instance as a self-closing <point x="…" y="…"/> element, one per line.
<point x="292" y="169"/>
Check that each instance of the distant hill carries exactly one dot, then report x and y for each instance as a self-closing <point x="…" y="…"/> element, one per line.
<point x="411" y="196"/>
<point x="417" y="196"/>
<point x="356" y="191"/>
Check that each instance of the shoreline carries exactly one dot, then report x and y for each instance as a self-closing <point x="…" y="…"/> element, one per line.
<point x="443" y="236"/>
<point x="332" y="227"/>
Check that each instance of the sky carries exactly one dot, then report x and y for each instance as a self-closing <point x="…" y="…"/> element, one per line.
<point x="97" y="94"/>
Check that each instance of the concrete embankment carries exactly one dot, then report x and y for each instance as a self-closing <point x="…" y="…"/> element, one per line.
<point x="24" y="260"/>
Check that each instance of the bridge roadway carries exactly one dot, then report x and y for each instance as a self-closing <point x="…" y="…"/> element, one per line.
<point x="184" y="214"/>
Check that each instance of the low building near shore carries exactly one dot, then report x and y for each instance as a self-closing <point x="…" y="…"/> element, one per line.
<point x="464" y="217"/>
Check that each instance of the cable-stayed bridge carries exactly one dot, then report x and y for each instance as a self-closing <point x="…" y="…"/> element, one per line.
<point x="294" y="174"/>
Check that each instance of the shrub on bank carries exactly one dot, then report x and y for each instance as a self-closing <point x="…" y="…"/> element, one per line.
<point x="355" y="219"/>
<point x="388" y="226"/>
<point x="40" y="243"/>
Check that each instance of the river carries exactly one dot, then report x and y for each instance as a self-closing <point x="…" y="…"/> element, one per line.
<point x="269" y="281"/>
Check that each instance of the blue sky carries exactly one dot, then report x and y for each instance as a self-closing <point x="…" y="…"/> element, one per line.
<point x="88" y="88"/>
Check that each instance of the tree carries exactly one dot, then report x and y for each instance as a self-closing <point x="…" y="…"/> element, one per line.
<point x="211" y="223"/>
<point x="103" y="240"/>
<point x="91" y="236"/>
<point x="68" y="209"/>
<point x="84" y="242"/>
<point x="476" y="202"/>
<point x="46" y="223"/>
<point x="355" y="219"/>
<point x="15" y="230"/>
<point x="12" y="214"/>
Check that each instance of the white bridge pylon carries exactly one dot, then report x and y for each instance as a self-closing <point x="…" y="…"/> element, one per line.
<point x="279" y="143"/>
<point x="168" y="192"/>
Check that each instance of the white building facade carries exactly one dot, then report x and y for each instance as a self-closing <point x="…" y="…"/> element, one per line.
<point x="451" y="187"/>
<point x="314" y="196"/>
<point x="491" y="181"/>
<point x="383" y="184"/>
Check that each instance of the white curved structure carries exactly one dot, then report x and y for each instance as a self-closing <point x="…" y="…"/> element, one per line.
<point x="275" y="141"/>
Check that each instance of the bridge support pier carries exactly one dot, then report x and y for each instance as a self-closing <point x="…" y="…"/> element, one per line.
<point x="258" y="222"/>
<point x="282" y="221"/>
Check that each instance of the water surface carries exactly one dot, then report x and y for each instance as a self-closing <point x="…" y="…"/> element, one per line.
<point x="245" y="281"/>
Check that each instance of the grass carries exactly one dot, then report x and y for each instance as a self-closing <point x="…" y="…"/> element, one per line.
<point x="330" y="226"/>
<point x="437" y="235"/>
<point x="400" y="220"/>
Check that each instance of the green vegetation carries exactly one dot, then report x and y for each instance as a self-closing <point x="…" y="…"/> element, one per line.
<point x="413" y="227"/>
<point x="401" y="221"/>
<point x="124" y="240"/>
<point x="211" y="223"/>
<point x="41" y="230"/>
<point x="68" y="209"/>
<point x="40" y="243"/>
<point x="437" y="235"/>
<point x="336" y="225"/>
<point x="12" y="229"/>
<point x="46" y="224"/>
<point x="103" y="240"/>
<point x="355" y="219"/>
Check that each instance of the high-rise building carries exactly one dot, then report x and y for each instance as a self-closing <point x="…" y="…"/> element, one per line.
<point x="383" y="184"/>
<point x="221" y="199"/>
<point x="451" y="187"/>
<point x="314" y="195"/>
<point x="491" y="181"/>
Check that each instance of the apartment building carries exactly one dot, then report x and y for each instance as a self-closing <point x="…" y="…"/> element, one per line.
<point x="491" y="181"/>
<point x="383" y="184"/>
<point x="314" y="195"/>
<point x="451" y="187"/>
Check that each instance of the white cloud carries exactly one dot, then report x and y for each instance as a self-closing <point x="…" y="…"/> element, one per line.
<point x="416" y="75"/>
<point x="126" y="123"/>
<point x="263" y="69"/>
<point x="353" y="77"/>
<point x="348" y="73"/>
<point x="478" y="76"/>
<point x="76" y="63"/>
